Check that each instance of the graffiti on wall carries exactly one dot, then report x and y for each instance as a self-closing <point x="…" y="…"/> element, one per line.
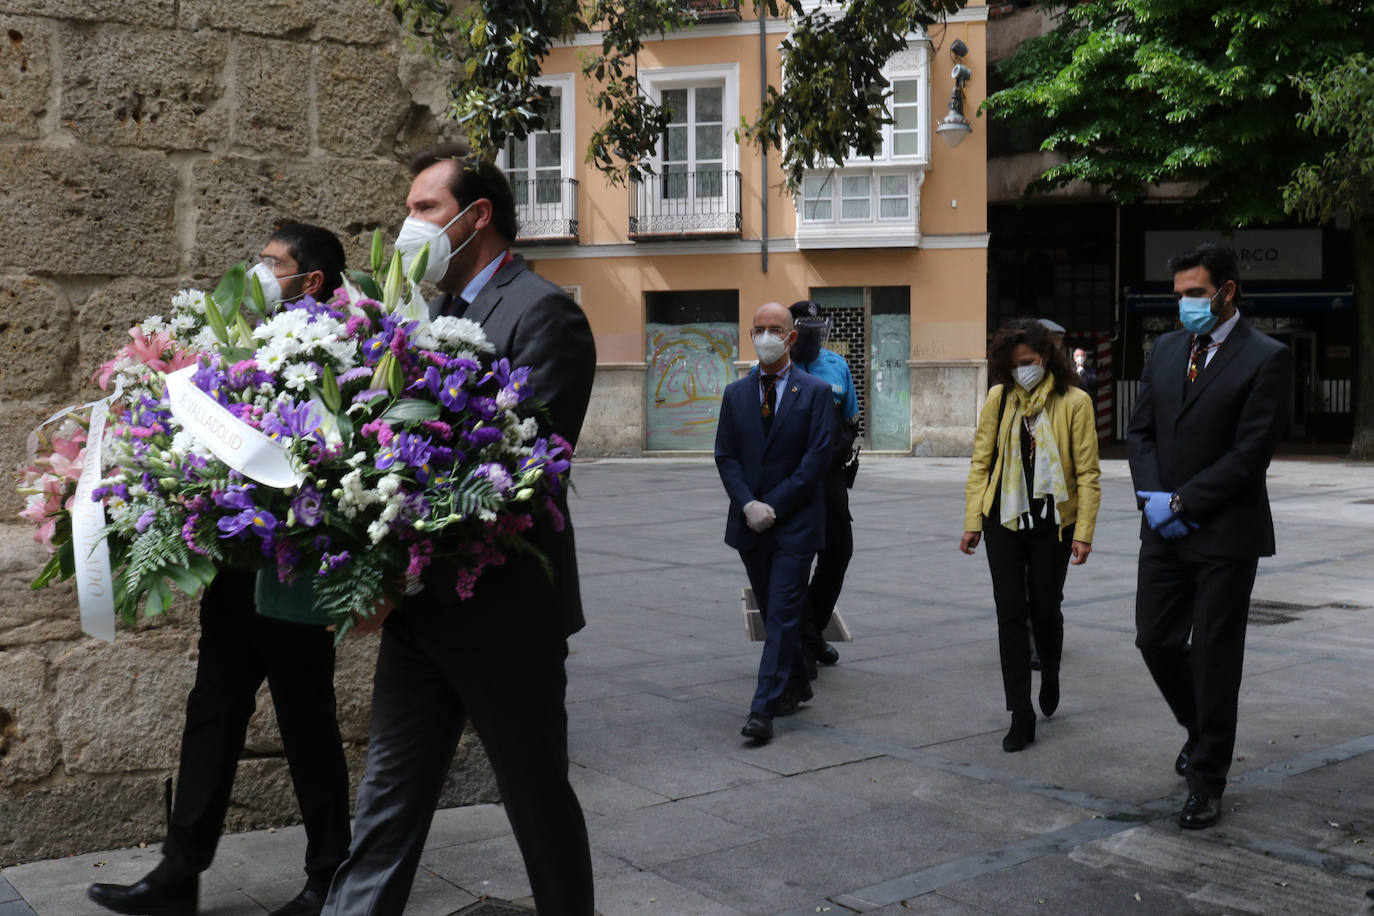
<point x="891" y="382"/>
<point x="689" y="367"/>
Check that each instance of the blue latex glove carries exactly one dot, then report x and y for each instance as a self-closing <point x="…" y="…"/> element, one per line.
<point x="1173" y="530"/>
<point x="1157" y="511"/>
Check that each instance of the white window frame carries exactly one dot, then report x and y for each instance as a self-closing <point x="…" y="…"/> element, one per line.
<point x="878" y="231"/>
<point x="656" y="80"/>
<point x="565" y="83"/>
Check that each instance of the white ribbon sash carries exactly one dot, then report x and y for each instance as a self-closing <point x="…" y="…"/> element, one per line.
<point x="245" y="449"/>
<point x="94" y="584"/>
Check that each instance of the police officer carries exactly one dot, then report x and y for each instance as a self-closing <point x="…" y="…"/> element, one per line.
<point x="809" y="352"/>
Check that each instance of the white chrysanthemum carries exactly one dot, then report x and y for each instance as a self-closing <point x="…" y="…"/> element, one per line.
<point x="287" y="325"/>
<point x="182" y="442"/>
<point x="452" y="332"/>
<point x="153" y="324"/>
<point x="183" y="322"/>
<point x="296" y="376"/>
<point x="344" y="352"/>
<point x="191" y="300"/>
<point x="205" y="339"/>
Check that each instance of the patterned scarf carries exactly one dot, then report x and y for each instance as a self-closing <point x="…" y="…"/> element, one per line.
<point x="1046" y="466"/>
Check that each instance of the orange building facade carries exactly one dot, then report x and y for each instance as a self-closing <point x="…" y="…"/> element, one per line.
<point x="671" y="269"/>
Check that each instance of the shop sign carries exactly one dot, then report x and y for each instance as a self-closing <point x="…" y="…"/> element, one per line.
<point x="1264" y="254"/>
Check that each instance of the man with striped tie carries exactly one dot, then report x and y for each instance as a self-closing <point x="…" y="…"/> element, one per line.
<point x="1213" y="401"/>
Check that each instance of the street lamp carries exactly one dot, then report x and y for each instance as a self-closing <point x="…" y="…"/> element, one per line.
<point x="954" y="127"/>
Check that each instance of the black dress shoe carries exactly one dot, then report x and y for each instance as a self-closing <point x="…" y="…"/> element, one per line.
<point x="827" y="654"/>
<point x="1022" y="731"/>
<point x="1200" y="811"/>
<point x="309" y="902"/>
<point x="1049" y="694"/>
<point x="760" y="728"/>
<point x="153" y="896"/>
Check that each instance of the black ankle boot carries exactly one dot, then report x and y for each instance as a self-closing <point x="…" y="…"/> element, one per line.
<point x="1022" y="731"/>
<point x="1049" y="693"/>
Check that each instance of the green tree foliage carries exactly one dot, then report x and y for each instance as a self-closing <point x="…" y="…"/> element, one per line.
<point x="1341" y="184"/>
<point x="1139" y="92"/>
<point x="833" y="102"/>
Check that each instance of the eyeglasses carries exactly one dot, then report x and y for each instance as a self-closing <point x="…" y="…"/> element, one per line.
<point x="273" y="263"/>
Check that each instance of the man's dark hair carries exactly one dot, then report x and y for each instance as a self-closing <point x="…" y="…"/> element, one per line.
<point x="1218" y="260"/>
<point x="1035" y="335"/>
<point x="474" y="179"/>
<point x="313" y="248"/>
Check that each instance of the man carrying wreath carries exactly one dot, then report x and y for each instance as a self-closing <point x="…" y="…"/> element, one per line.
<point x="495" y="659"/>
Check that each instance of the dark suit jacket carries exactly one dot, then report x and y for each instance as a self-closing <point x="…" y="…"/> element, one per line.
<point x="783" y="469"/>
<point x="1211" y="441"/>
<point x="534" y="323"/>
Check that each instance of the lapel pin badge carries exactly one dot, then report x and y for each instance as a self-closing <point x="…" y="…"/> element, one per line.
<point x="795" y="389"/>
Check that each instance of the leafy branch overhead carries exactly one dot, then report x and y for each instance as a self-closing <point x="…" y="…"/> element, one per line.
<point x="832" y="105"/>
<point x="1138" y="92"/>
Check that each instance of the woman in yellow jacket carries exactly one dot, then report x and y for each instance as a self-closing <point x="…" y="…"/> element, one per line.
<point x="1033" y="494"/>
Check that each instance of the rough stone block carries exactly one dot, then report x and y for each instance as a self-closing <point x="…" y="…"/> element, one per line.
<point x="615" y="416"/>
<point x="28" y="617"/>
<point x="470" y="780"/>
<point x="122" y="706"/>
<point x="28" y="749"/>
<point x="145" y="12"/>
<point x="25" y="75"/>
<point x="135" y="87"/>
<point x="104" y="318"/>
<point x="37" y="345"/>
<point x="87" y="211"/>
<point x="359" y="100"/>
<point x="353" y="21"/>
<point x="272" y="110"/>
<point x="237" y="200"/>
<point x="355" y="663"/>
<point x="81" y="814"/>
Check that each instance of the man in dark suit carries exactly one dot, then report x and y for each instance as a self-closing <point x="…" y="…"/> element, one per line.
<point x="497" y="659"/>
<point x="1213" y="401"/>
<point x="239" y="648"/>
<point x="773" y="446"/>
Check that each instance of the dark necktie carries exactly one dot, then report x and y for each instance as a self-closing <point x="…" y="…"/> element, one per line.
<point x="1201" y="344"/>
<point x="770" y="400"/>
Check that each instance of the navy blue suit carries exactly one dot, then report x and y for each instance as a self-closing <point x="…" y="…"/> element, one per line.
<point x="785" y="470"/>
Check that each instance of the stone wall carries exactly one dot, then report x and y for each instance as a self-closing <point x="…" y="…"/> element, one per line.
<point x="144" y="147"/>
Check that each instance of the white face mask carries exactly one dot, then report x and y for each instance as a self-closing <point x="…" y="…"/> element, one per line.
<point x="271" y="283"/>
<point x="415" y="232"/>
<point x="1028" y="377"/>
<point x="769" y="347"/>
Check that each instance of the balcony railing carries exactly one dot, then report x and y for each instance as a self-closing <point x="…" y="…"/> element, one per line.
<point x="546" y="209"/>
<point x="678" y="204"/>
<point x="712" y="10"/>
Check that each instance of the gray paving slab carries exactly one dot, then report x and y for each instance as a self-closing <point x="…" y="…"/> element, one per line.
<point x="889" y="792"/>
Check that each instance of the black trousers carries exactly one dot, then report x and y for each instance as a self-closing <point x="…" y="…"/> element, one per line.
<point x="778" y="578"/>
<point x="1028" y="569"/>
<point x="432" y="678"/>
<point x="831" y="563"/>
<point x="238" y="649"/>
<point x="1190" y="618"/>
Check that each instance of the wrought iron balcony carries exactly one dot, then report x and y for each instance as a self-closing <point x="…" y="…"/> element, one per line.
<point x="712" y="10"/>
<point x="547" y="210"/>
<point x="680" y="204"/>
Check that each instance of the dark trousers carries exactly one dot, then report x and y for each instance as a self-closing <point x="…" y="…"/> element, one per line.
<point x="1028" y="569"/>
<point x="831" y="563"/>
<point x="238" y="649"/>
<point x="1190" y="619"/>
<point x="430" y="681"/>
<point x="778" y="578"/>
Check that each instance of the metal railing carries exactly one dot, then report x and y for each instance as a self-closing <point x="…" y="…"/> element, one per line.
<point x="546" y="209"/>
<point x="675" y="204"/>
<point x="712" y="10"/>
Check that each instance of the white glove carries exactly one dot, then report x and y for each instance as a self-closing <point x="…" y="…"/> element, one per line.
<point x="759" y="515"/>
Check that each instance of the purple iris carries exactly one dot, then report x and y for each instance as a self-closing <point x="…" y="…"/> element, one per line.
<point x="246" y="374"/>
<point x="482" y="435"/>
<point x="483" y="407"/>
<point x="259" y="521"/>
<point x="293" y="419"/>
<point x="452" y="395"/>
<point x="375" y="347"/>
<point x="511" y="383"/>
<point x="234" y="497"/>
<point x="546" y="456"/>
<point x="308" y="507"/>
<point x="212" y="381"/>
<point x="409" y="449"/>
<point x="431" y="381"/>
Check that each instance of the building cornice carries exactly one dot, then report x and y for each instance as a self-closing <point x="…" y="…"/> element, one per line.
<point x="956" y="240"/>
